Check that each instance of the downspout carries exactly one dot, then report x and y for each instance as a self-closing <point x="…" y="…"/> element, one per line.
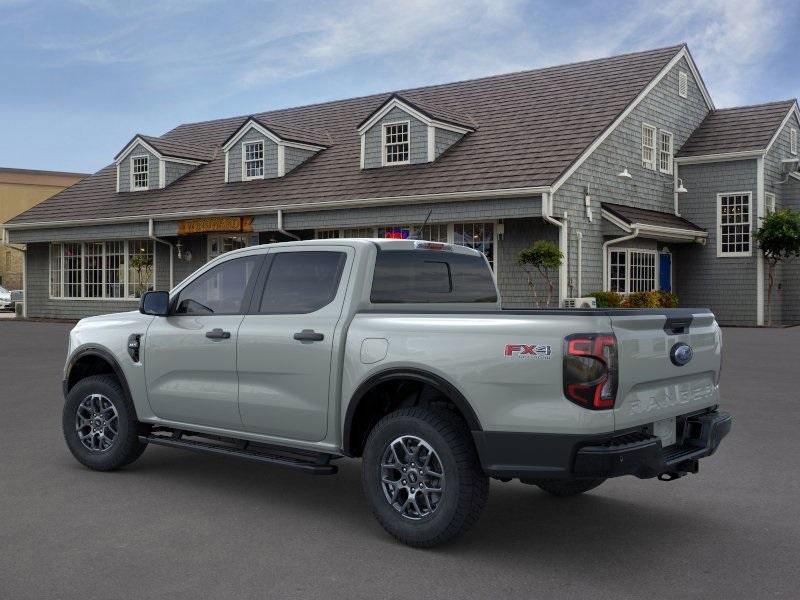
<point x="282" y="230"/>
<point x="618" y="240"/>
<point x="563" y="243"/>
<point x="580" y="264"/>
<point x="151" y="234"/>
<point x="5" y="239"/>
<point x="675" y="187"/>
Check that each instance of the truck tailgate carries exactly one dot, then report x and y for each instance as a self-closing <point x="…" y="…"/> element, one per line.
<point x="651" y="386"/>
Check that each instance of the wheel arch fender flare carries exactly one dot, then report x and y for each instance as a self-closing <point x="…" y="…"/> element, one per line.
<point x="102" y="354"/>
<point x="407" y="373"/>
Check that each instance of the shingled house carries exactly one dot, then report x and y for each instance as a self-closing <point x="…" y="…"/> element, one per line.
<point x="623" y="161"/>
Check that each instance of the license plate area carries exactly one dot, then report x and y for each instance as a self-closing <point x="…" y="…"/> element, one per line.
<point x="666" y="429"/>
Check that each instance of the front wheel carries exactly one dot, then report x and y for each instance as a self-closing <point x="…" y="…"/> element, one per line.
<point x="100" y="425"/>
<point x="422" y="476"/>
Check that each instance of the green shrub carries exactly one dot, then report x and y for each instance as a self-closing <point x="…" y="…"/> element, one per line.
<point x="668" y="299"/>
<point x="642" y="300"/>
<point x="608" y="299"/>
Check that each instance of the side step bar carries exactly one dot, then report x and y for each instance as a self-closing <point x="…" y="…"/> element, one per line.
<point x="308" y="462"/>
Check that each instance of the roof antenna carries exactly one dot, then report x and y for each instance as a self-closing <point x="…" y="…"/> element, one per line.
<point x="422" y="227"/>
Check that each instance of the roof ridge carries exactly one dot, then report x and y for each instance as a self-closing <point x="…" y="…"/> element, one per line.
<point x="390" y="93"/>
<point x="788" y="101"/>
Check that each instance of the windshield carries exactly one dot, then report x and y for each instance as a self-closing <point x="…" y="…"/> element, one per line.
<point x="3" y="290"/>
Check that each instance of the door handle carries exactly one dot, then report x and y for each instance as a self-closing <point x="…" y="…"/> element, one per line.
<point x="218" y="334"/>
<point x="308" y="335"/>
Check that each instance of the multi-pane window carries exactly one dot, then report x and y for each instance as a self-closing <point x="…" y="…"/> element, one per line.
<point x="632" y="271"/>
<point x="479" y="236"/>
<point x="793" y="140"/>
<point x="734" y="223"/>
<point x="769" y="199"/>
<point x="683" y="84"/>
<point x="119" y="269"/>
<point x="648" y="146"/>
<point x="665" y="152"/>
<point x="328" y="234"/>
<point x="253" y="160"/>
<point x="140" y="166"/>
<point x="359" y="232"/>
<point x="395" y="143"/>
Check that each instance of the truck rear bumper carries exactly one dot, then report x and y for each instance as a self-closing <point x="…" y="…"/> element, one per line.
<point x="633" y="452"/>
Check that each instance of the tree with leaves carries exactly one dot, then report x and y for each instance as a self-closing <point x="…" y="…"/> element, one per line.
<point x="779" y="240"/>
<point x="538" y="261"/>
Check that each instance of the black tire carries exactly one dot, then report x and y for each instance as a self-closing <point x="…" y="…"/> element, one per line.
<point x="567" y="487"/>
<point x="465" y="488"/>
<point x="125" y="447"/>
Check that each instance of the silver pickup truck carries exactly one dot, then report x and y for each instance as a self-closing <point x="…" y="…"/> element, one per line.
<point x="395" y="351"/>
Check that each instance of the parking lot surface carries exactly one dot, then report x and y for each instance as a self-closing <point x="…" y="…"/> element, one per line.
<point x="183" y="525"/>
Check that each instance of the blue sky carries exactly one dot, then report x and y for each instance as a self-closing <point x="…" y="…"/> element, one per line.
<point x="81" y="77"/>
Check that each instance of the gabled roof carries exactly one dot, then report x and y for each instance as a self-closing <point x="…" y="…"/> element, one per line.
<point x="738" y="129"/>
<point x="286" y="132"/>
<point x="431" y="114"/>
<point x="530" y="128"/>
<point x="167" y="148"/>
<point x="631" y="217"/>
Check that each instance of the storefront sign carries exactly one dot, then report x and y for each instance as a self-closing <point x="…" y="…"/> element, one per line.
<point x="209" y="224"/>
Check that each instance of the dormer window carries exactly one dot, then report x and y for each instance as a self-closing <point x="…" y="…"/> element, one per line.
<point x="140" y="169"/>
<point x="253" y="153"/>
<point x="396" y="148"/>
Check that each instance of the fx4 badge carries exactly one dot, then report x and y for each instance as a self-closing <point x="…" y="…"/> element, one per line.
<point x="529" y="351"/>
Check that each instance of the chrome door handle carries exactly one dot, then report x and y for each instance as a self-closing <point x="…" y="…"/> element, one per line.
<point x="309" y="335"/>
<point x="218" y="334"/>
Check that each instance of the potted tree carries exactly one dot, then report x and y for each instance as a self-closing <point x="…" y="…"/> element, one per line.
<point x="538" y="261"/>
<point x="779" y="240"/>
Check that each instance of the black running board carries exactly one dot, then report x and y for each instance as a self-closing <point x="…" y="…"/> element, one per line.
<point x="314" y="464"/>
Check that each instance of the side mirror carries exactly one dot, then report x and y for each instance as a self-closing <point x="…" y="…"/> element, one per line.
<point x="154" y="303"/>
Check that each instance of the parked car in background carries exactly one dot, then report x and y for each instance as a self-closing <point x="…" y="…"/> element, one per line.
<point x="5" y="299"/>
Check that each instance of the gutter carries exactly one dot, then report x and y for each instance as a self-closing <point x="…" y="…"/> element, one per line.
<point x="280" y="228"/>
<point x="298" y="207"/>
<point x="151" y="234"/>
<point x="619" y="240"/>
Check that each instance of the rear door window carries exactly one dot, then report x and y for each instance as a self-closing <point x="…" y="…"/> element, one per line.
<point x="301" y="282"/>
<point x="411" y="276"/>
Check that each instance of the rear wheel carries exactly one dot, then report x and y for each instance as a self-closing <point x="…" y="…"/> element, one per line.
<point x="422" y="476"/>
<point x="567" y="487"/>
<point x="99" y="424"/>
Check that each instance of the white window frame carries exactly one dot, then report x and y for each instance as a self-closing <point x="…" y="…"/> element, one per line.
<point x="133" y="186"/>
<point x="219" y="237"/>
<point x="683" y="84"/>
<point x="665" y="154"/>
<point x="627" y="277"/>
<point x="263" y="160"/>
<point x="649" y="164"/>
<point x="793" y="141"/>
<point x="384" y="147"/>
<point x="769" y="202"/>
<point x="720" y="253"/>
<point x="125" y="283"/>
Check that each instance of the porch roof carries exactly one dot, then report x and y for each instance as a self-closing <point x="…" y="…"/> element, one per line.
<point x="652" y="223"/>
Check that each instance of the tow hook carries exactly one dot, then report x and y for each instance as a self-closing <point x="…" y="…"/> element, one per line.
<point x="672" y="476"/>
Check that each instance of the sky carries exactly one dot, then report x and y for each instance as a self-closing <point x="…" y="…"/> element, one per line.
<point x="80" y="78"/>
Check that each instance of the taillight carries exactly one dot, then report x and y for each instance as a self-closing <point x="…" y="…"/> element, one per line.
<point x="590" y="369"/>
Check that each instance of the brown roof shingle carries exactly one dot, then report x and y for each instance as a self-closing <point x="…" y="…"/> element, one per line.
<point x="530" y="127"/>
<point x="738" y="129"/>
<point x="630" y="215"/>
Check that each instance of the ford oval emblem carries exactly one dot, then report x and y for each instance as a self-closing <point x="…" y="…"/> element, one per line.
<point x="681" y="354"/>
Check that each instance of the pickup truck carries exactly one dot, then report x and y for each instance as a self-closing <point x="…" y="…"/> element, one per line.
<point x="396" y="351"/>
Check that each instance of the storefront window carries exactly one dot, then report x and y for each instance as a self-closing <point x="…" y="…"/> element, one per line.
<point x="220" y="244"/>
<point x="479" y="236"/>
<point x="98" y="270"/>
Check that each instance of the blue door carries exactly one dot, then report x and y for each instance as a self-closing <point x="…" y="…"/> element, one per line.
<point x="665" y="272"/>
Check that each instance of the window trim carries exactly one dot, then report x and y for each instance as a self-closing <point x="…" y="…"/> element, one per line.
<point x="384" y="163"/>
<point x="627" y="251"/>
<point x="263" y="175"/>
<point x="133" y="186"/>
<point x="793" y="141"/>
<point x="770" y="202"/>
<point x="683" y="84"/>
<point x="125" y="282"/>
<point x="720" y="253"/>
<point x="661" y="152"/>
<point x="651" y="166"/>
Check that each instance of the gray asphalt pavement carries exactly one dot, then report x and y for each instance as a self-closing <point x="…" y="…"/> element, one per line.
<point x="183" y="525"/>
